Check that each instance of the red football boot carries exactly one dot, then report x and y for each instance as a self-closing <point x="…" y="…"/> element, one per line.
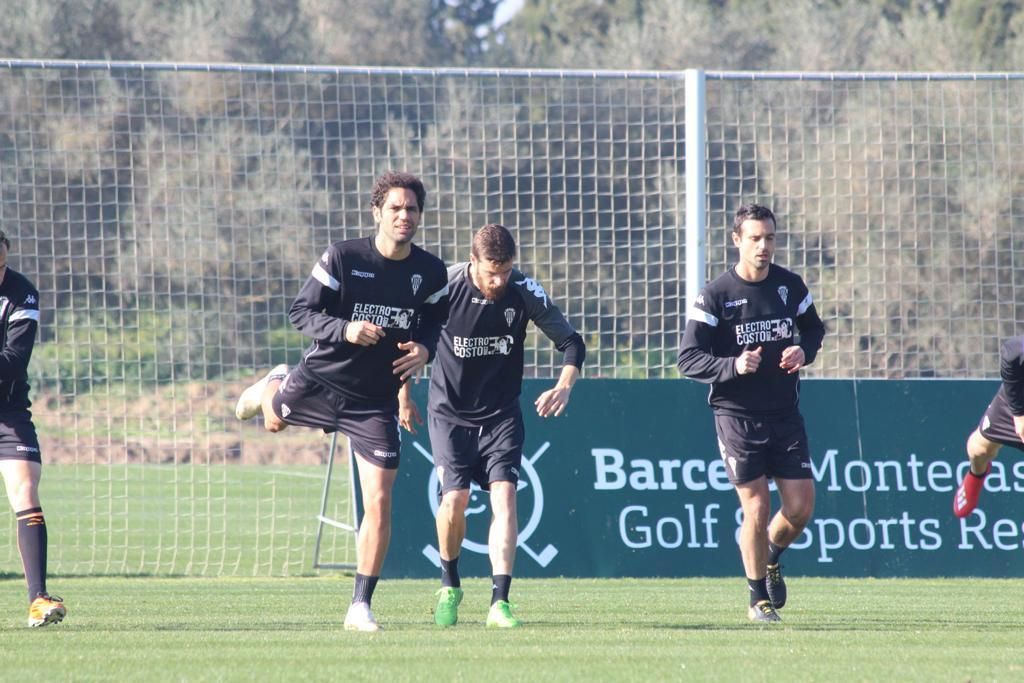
<point x="966" y="498"/>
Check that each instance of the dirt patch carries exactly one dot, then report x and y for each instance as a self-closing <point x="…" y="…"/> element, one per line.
<point x="192" y="422"/>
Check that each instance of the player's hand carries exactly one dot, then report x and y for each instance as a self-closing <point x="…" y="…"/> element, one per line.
<point x="416" y="356"/>
<point x="1018" y="426"/>
<point x="408" y="414"/>
<point x="792" y="359"/>
<point x="363" y="333"/>
<point x="552" y="402"/>
<point x="748" y="361"/>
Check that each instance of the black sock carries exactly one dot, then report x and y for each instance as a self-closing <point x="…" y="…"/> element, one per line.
<point x="32" y="545"/>
<point x="758" y="590"/>
<point x="773" y="552"/>
<point x="450" y="573"/>
<point x="500" y="585"/>
<point x="363" y="590"/>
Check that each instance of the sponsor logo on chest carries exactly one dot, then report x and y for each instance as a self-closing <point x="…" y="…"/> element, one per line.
<point x="392" y="317"/>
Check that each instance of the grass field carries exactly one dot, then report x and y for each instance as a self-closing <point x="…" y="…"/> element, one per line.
<point x="195" y="520"/>
<point x="159" y="629"/>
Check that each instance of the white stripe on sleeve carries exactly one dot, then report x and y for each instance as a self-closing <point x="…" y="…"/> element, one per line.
<point x="437" y="296"/>
<point x="25" y="314"/>
<point x="804" y="305"/>
<point x="703" y="316"/>
<point x="325" y="278"/>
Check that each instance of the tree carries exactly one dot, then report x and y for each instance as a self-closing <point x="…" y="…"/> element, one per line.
<point x="567" y="33"/>
<point x="463" y="28"/>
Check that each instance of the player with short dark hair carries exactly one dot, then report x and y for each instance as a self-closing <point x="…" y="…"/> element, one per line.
<point x="1001" y="425"/>
<point x="475" y="420"/>
<point x="20" y="457"/>
<point x="739" y="338"/>
<point x="374" y="308"/>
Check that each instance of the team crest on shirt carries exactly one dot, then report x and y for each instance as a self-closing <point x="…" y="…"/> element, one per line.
<point x="510" y="315"/>
<point x="784" y="293"/>
<point x="417" y="280"/>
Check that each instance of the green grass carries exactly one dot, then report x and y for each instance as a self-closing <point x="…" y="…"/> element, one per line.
<point x="576" y="630"/>
<point x="210" y="520"/>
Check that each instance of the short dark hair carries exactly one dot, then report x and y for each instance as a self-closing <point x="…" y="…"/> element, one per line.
<point x="3" y="239"/>
<point x="393" y="179"/>
<point x="495" y="243"/>
<point x="752" y="212"/>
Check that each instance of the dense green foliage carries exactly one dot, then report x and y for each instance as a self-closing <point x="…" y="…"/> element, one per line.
<point x="917" y="35"/>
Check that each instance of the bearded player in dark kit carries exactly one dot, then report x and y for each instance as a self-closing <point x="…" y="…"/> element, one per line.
<point x="476" y="423"/>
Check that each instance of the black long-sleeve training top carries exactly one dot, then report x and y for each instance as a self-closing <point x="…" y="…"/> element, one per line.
<point x="732" y="315"/>
<point x="477" y="376"/>
<point x="353" y="281"/>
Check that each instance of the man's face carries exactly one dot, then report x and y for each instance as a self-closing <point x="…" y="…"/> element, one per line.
<point x="756" y="243"/>
<point x="3" y="255"/>
<point x="398" y="216"/>
<point x="490" y="277"/>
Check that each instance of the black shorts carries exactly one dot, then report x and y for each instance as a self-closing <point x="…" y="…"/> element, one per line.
<point x="18" y="440"/>
<point x="463" y="455"/>
<point x="774" y="448"/>
<point x="371" y="428"/>
<point x="997" y="423"/>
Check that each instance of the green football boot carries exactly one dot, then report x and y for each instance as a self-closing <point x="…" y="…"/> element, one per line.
<point x="448" y="600"/>
<point x="501" y="616"/>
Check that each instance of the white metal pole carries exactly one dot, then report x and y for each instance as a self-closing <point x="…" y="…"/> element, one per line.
<point x="696" y="185"/>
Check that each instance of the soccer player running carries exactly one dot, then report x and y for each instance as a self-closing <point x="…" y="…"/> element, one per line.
<point x="475" y="420"/>
<point x="739" y="338"/>
<point x="20" y="461"/>
<point x="1001" y="425"/>
<point x="374" y="309"/>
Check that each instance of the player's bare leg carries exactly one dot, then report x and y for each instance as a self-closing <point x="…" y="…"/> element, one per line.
<point x="271" y="422"/>
<point x="501" y="542"/>
<point x="451" y="530"/>
<point x="451" y="523"/>
<point x="504" y="532"/>
<point x="786" y="526"/>
<point x="755" y="500"/>
<point x="376" y="484"/>
<point x="981" y="452"/>
<point x="21" y="481"/>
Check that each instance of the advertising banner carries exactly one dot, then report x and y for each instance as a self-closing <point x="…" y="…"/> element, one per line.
<point x="630" y="483"/>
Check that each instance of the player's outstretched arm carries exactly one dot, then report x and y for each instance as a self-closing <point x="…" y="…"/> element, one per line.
<point x="554" y="400"/>
<point x="408" y="412"/>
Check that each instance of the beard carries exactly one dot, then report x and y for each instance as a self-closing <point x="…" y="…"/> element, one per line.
<point x="493" y="293"/>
